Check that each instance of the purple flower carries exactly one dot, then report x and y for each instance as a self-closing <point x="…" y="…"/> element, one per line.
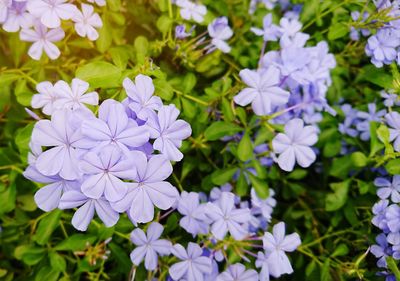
<point x="225" y="217"/>
<point x="263" y="206"/>
<point x="393" y="218"/>
<point x="350" y="120"/>
<point x="5" y="5"/>
<point x="367" y="117"/>
<point x="18" y="17"/>
<point x="74" y="96"/>
<point x="63" y="138"/>
<point x="169" y="132"/>
<point x="289" y="27"/>
<point x="193" y="266"/>
<point x="45" y="98"/>
<point x="194" y="218"/>
<point x="149" y="190"/>
<point x="389" y="189"/>
<point x="263" y="263"/>
<point x="180" y="31"/>
<point x="141" y="99"/>
<point x="86" y="22"/>
<point x="114" y="127"/>
<point x="51" y="12"/>
<point x="276" y="245"/>
<point x="393" y="121"/>
<point x="390" y="99"/>
<point x="48" y="197"/>
<point x="382" y="250"/>
<point x="238" y="272"/>
<point x="379" y="210"/>
<point x="263" y="92"/>
<point x="105" y="171"/>
<point x="190" y="10"/>
<point x="43" y="40"/>
<point x="149" y="246"/>
<point x="270" y="31"/>
<point x="87" y="207"/>
<point x="220" y="31"/>
<point x="293" y="64"/>
<point x="382" y="46"/>
<point x="294" y="145"/>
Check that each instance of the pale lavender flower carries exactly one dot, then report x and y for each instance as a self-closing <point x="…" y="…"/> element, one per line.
<point x="42" y="40"/>
<point x="193" y="265"/>
<point x="190" y="10"/>
<point x="270" y="31"/>
<point x="45" y="98"/>
<point x="263" y="206"/>
<point x="180" y="31"/>
<point x="379" y="211"/>
<point x="87" y="207"/>
<point x="382" y="250"/>
<point x="226" y="217"/>
<point x="220" y="31"/>
<point x="263" y="263"/>
<point x="276" y="245"/>
<point x="263" y="90"/>
<point x="389" y="189"/>
<point x="382" y="46"/>
<point x="114" y="127"/>
<point x="293" y="64"/>
<point x="289" y="27"/>
<point x="5" y="5"/>
<point x="51" y="12"/>
<point x="149" y="190"/>
<point x="294" y="145"/>
<point x="48" y="197"/>
<point x="169" y="132"/>
<point x="141" y="99"/>
<point x="18" y="17"/>
<point x="59" y="134"/>
<point x="74" y="96"/>
<point x="367" y="117"/>
<point x="238" y="272"/>
<point x="194" y="218"/>
<point x="86" y="22"/>
<point x="393" y="217"/>
<point x="390" y="99"/>
<point x="297" y="41"/>
<point x="105" y="171"/>
<point x="393" y="121"/>
<point x="149" y="246"/>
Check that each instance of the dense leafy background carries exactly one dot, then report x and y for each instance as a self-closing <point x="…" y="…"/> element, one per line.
<point x="329" y="205"/>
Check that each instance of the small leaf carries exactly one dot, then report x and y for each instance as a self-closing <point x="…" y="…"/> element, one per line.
<point x="359" y="159"/>
<point x="220" y="177"/>
<point x="260" y="186"/>
<point x="100" y="74"/>
<point x="336" y="200"/>
<point x="221" y="129"/>
<point x="46" y="227"/>
<point x="245" y="148"/>
<point x="76" y="242"/>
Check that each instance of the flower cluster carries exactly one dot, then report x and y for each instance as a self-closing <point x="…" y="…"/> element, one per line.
<point x="212" y="218"/>
<point x="106" y="163"/>
<point x="218" y="30"/>
<point x="383" y="46"/>
<point x="39" y="22"/>
<point x="290" y="85"/>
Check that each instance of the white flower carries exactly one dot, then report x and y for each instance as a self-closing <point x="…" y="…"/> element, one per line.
<point x="43" y="40"/>
<point x="74" y="96"/>
<point x="190" y="10"/>
<point x="86" y="21"/>
<point x="51" y="12"/>
<point x="45" y="98"/>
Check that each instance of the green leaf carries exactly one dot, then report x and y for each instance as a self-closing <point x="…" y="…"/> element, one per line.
<point x="220" y="177"/>
<point x="7" y="198"/>
<point x="359" y="159"/>
<point x="220" y="129"/>
<point x="189" y="81"/>
<point x="100" y="74"/>
<point x="57" y="262"/>
<point x="76" y="242"/>
<point x="393" y="167"/>
<point x="241" y="185"/>
<point x="120" y="56"/>
<point x="164" y="24"/>
<point x="22" y="93"/>
<point x="377" y="76"/>
<point x="337" y="30"/>
<point x="375" y="144"/>
<point x="22" y="139"/>
<point x="227" y="110"/>
<point x="29" y="254"/>
<point x="163" y="89"/>
<point x="338" y="198"/>
<point x="47" y="273"/>
<point x="341" y="167"/>
<point x="245" y="148"/>
<point x="141" y="45"/>
<point x="46" y="227"/>
<point x="325" y="274"/>
<point x="391" y="263"/>
<point x="260" y="186"/>
<point x="103" y="43"/>
<point x="341" y="250"/>
<point x="123" y="260"/>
